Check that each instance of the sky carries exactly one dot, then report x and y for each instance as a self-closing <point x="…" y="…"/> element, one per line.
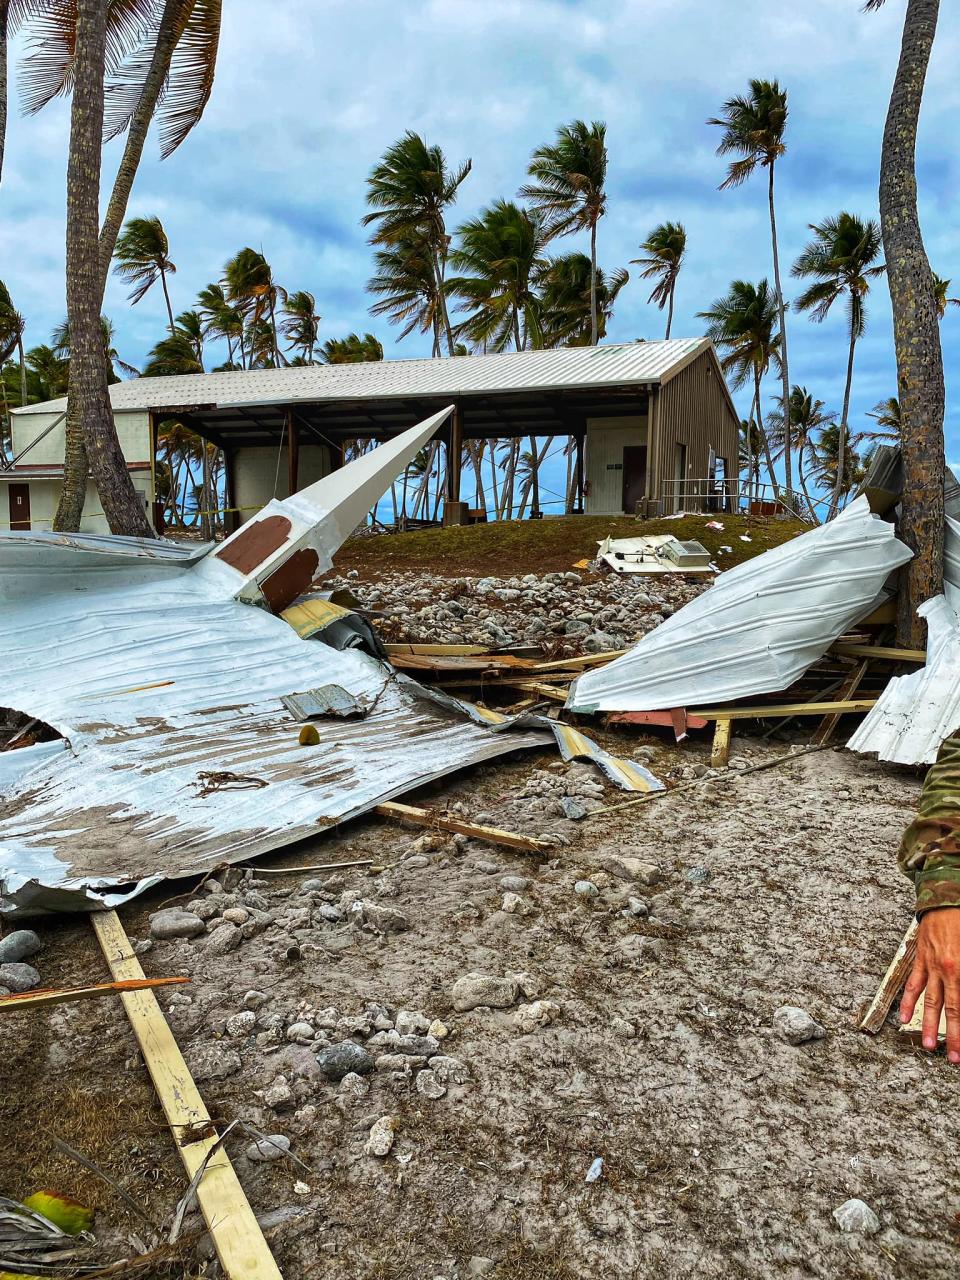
<point x="308" y="97"/>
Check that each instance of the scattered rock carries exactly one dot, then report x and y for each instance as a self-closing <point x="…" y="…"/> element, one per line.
<point x="531" y="1017"/>
<point x="475" y="989"/>
<point x="224" y="939"/>
<point x="279" y="1096"/>
<point x="354" y="1086"/>
<point x="409" y="1023"/>
<point x="380" y="1141"/>
<point x="637" y="907"/>
<point x="514" y="884"/>
<point x="857" y="1218"/>
<point x="212" y="1062"/>
<point x="384" y="919"/>
<point x="254" y="999"/>
<point x="173" y="922"/>
<point x="241" y="1024"/>
<point x="340" y="1059"/>
<point x="795" y="1026"/>
<point x="429" y="1085"/>
<point x="19" y="977"/>
<point x="623" y="1029"/>
<point x="586" y="889"/>
<point x="513" y="904"/>
<point x="300" y="1032"/>
<point x="633" y="870"/>
<point x="573" y="808"/>
<point x="479" y="1266"/>
<point x="273" y="1147"/>
<point x="439" y="1030"/>
<point x="449" y="1070"/>
<point x="18" y="946"/>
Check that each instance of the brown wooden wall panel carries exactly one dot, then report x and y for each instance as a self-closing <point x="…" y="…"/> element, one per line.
<point x="692" y="410"/>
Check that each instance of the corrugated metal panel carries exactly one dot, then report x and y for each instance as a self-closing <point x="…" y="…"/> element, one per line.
<point x="692" y="409"/>
<point x="627" y="364"/>
<point x="915" y="713"/>
<point x="759" y="627"/>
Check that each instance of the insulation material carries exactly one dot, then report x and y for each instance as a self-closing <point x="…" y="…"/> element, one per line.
<point x="178" y="753"/>
<point x="759" y="627"/>
<point x="917" y="712"/>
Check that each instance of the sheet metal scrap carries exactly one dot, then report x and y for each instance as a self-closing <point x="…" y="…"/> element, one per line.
<point x="759" y="627"/>
<point x="159" y="675"/>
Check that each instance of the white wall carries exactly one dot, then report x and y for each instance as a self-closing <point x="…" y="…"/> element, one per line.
<point x="45" y="495"/>
<point x="133" y="432"/>
<point x="603" y="466"/>
<point x="260" y="473"/>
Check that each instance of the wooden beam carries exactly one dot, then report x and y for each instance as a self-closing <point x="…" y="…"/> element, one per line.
<point x="234" y="1230"/>
<point x="825" y="729"/>
<point x="578" y="664"/>
<point x="454" y="650"/>
<point x="893" y="980"/>
<point x="887" y="653"/>
<point x="721" y="745"/>
<point x="454" y="454"/>
<point x="63" y="995"/>
<point x="436" y="820"/>
<point x="293" y="454"/>
<point x="766" y="712"/>
<point x="534" y="686"/>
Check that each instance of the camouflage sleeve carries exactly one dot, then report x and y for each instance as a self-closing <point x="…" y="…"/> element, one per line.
<point x="930" y="852"/>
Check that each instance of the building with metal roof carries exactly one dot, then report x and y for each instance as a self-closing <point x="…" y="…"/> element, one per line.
<point x="653" y="422"/>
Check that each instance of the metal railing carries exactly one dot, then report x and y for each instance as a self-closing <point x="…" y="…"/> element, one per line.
<point x="702" y="496"/>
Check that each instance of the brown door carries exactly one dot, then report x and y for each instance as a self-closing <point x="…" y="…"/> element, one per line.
<point x="19" y="506"/>
<point x="634" y="477"/>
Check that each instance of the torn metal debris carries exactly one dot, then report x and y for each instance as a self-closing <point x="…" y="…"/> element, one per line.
<point x="654" y="554"/>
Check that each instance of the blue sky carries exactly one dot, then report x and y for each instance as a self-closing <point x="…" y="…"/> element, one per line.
<point x="307" y="99"/>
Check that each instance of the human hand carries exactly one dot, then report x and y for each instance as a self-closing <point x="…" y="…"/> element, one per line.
<point x="936" y="973"/>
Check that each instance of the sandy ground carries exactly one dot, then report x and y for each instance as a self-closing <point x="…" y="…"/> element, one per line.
<point x="724" y="1149"/>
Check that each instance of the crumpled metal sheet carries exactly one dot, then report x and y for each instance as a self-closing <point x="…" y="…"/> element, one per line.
<point x="917" y="712"/>
<point x="759" y="627"/>
<point x="164" y="673"/>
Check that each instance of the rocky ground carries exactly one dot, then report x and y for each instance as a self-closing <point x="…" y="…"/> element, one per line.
<point x="573" y="611"/>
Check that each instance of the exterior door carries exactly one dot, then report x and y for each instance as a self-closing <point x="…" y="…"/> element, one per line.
<point x="19" y="506"/>
<point x="634" y="477"/>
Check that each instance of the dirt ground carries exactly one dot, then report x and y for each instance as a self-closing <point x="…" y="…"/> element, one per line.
<point x="724" y="1149"/>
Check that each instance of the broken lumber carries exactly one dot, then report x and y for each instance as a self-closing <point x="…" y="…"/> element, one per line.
<point x="62" y="995"/>
<point x="887" y="653"/>
<point x="536" y="686"/>
<point x="893" y="980"/>
<point x="578" y="664"/>
<point x="825" y="729"/>
<point x="243" y="1252"/>
<point x="437" y="820"/>
<point x="763" y="711"/>
<point x="721" y="745"/>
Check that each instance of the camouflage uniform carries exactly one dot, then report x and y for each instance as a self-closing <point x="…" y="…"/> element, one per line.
<point x="930" y="852"/>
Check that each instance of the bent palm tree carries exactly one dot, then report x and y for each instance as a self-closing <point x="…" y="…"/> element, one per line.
<point x="663" y="248"/>
<point x="408" y="192"/>
<point x="353" y="349"/>
<point x="831" y="456"/>
<point x="565" y="293"/>
<point x="743" y="327"/>
<point x="143" y="258"/>
<point x="499" y="253"/>
<point x="117" y="367"/>
<point x="842" y="260"/>
<point x="807" y="419"/>
<point x="250" y="287"/>
<point x="406" y="284"/>
<point x="12" y="325"/>
<point x="916" y="325"/>
<point x="886" y="415"/>
<point x="753" y="128"/>
<point x="568" y="190"/>
<point x="173" y="355"/>
<point x="221" y="319"/>
<point x="301" y="324"/>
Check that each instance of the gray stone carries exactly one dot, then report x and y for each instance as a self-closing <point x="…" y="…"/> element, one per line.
<point x="241" y="1024"/>
<point x="300" y="1032"/>
<point x="429" y="1086"/>
<point x="449" y="1070"/>
<point x="380" y="1141"/>
<point x="411" y="1023"/>
<point x="475" y="989"/>
<point x="637" y="907"/>
<point x="795" y="1026"/>
<point x="254" y="999"/>
<point x="273" y="1147"/>
<point x="354" y="1086"/>
<point x="279" y="1096"/>
<point x="857" y="1218"/>
<point x="698" y="875"/>
<point x="384" y="919"/>
<point x="514" y="884"/>
<point x="573" y="808"/>
<point x="19" y="977"/>
<point x="224" y="939"/>
<point x="632" y="870"/>
<point x="340" y="1059"/>
<point x="479" y="1266"/>
<point x="586" y="889"/>
<point x="18" y="946"/>
<point x="599" y="642"/>
<point x="212" y="1062"/>
<point x="172" y="922"/>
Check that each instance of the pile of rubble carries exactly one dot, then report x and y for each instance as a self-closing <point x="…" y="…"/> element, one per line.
<point x="592" y="613"/>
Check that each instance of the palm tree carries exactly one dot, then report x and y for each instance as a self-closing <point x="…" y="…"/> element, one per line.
<point x="301" y="324"/>
<point x="565" y="294"/>
<point x="743" y="327"/>
<point x="831" y="456"/>
<point x="353" y="349"/>
<point x="174" y="354"/>
<point x="408" y="192"/>
<point x="807" y="419"/>
<point x="143" y="258"/>
<point x="663" y="248"/>
<point x="886" y="415"/>
<point x="749" y="448"/>
<point x="753" y="129"/>
<point x="249" y="286"/>
<point x="117" y="367"/>
<point x="841" y="259"/>
<point x="499" y="254"/>
<point x="568" y="190"/>
<point x="190" y="325"/>
<point x="221" y="319"/>
<point x="940" y="289"/>
<point x="406" y="284"/>
<point x="12" y="325"/>
<point x="916" y="325"/>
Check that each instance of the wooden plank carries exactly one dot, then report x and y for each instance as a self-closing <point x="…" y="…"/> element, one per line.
<point x="886" y="652"/>
<point x="489" y="663"/>
<point x="536" y="686"/>
<point x="578" y="664"/>
<point x="827" y="726"/>
<point x="434" y="819"/>
<point x="63" y="995"/>
<point x="886" y="612"/>
<point x="663" y="719"/>
<point x="914" y="1028"/>
<point x="451" y="650"/>
<point x="763" y="711"/>
<point x="721" y="745"/>
<point x="893" y="980"/>
<point x="234" y="1230"/>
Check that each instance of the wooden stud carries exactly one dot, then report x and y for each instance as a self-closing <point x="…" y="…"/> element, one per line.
<point x="721" y="745"/>
<point x="577" y="664"/>
<point x="763" y="711"/>
<point x="887" y="654"/>
<point x="893" y="980"/>
<point x="827" y="726"/>
<point x="243" y="1252"/>
<point x="63" y="995"/>
<point x="444" y="822"/>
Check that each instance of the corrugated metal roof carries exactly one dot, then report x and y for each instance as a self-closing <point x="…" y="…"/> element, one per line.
<point x="625" y="364"/>
<point x="759" y="627"/>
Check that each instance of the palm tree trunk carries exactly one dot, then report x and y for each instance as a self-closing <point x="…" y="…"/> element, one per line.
<point x="278" y="363"/>
<point x="166" y="298"/>
<point x="844" y="418"/>
<point x="23" y="370"/>
<point x="87" y="389"/>
<point x="4" y="7"/>
<point x="568" y="487"/>
<point x="801" y="450"/>
<point x="673" y="286"/>
<point x="493" y="479"/>
<point x="534" y="479"/>
<point x="441" y="297"/>
<point x="784" y="364"/>
<point x="168" y="33"/>
<point x="594" y="326"/>
<point x="768" y="458"/>
<point x="915" y="327"/>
